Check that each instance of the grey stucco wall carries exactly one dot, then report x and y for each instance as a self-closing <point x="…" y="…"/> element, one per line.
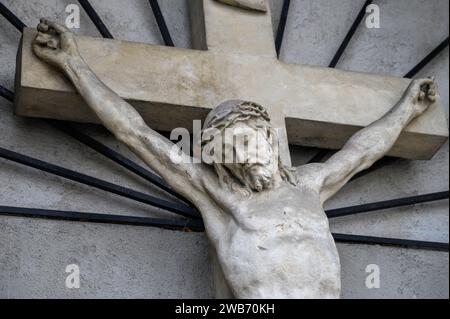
<point x="135" y="262"/>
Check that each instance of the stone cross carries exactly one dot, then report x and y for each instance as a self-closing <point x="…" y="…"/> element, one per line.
<point x="234" y="58"/>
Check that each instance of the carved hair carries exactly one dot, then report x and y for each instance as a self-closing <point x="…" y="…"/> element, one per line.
<point x="233" y="111"/>
<point x="229" y="113"/>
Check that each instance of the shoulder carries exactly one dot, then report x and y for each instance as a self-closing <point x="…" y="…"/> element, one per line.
<point x="311" y="175"/>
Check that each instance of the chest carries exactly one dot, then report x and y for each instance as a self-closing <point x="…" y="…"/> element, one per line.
<point x="280" y="210"/>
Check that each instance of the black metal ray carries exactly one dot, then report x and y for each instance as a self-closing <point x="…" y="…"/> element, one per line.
<point x="174" y="224"/>
<point x="377" y="206"/>
<point x="176" y="208"/>
<point x="349" y="35"/>
<point x="101" y="27"/>
<point x="11" y="17"/>
<point x="282" y="25"/>
<point x="161" y="23"/>
<point x="427" y="59"/>
<point x="6" y="94"/>
<point x="115" y="156"/>
<point x="396" y="242"/>
<point x="105" y="151"/>
<point x="197" y="226"/>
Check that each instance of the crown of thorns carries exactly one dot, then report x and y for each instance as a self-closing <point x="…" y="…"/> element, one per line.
<point x="240" y="112"/>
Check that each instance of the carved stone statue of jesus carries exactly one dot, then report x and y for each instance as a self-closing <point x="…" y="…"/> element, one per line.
<point x="265" y="221"/>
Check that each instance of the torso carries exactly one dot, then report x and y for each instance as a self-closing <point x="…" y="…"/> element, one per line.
<point x="277" y="244"/>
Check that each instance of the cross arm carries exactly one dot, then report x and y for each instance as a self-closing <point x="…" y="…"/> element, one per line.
<point x="170" y="87"/>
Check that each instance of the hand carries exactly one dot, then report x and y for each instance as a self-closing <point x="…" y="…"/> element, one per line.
<point x="55" y="44"/>
<point x="421" y="94"/>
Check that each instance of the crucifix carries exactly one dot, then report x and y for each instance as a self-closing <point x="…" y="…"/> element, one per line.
<point x="264" y="219"/>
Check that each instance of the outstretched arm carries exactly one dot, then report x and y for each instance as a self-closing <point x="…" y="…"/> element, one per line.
<point x="372" y="143"/>
<point x="57" y="46"/>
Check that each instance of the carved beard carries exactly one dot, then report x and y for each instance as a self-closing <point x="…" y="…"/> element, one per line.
<point x="258" y="178"/>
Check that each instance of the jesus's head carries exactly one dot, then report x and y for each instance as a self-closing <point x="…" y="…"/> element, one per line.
<point x="248" y="146"/>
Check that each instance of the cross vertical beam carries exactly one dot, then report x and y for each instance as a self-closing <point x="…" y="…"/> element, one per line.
<point x="224" y="29"/>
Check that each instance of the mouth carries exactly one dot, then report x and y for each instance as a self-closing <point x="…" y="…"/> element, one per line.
<point x="261" y="184"/>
